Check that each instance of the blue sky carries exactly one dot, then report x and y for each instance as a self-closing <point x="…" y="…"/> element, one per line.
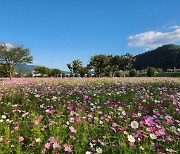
<point x="59" y="31"/>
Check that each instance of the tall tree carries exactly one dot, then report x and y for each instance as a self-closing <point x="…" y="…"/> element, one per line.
<point x="76" y="65"/>
<point x="84" y="71"/>
<point x="11" y="56"/>
<point x="99" y="63"/>
<point x="55" y="72"/>
<point x="128" y="60"/>
<point x="42" y="70"/>
<point x="70" y="68"/>
<point x="115" y="62"/>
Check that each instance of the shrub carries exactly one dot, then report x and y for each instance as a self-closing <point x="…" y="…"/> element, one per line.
<point x="71" y="75"/>
<point x="150" y="71"/>
<point x="63" y="74"/>
<point x="76" y="75"/>
<point x="118" y="74"/>
<point x="29" y="75"/>
<point x="133" y="73"/>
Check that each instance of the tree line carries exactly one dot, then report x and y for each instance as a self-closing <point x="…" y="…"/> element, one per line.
<point x="99" y="65"/>
<point x="102" y="65"/>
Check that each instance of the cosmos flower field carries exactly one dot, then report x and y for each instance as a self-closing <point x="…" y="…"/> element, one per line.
<point x="88" y="116"/>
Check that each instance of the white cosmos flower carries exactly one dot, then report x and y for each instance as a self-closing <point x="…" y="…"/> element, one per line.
<point x="123" y="113"/>
<point x="126" y="133"/>
<point x="153" y="136"/>
<point x="139" y="114"/>
<point x="134" y="124"/>
<point x="1" y="139"/>
<point x="101" y="122"/>
<point x="8" y="121"/>
<point x="88" y="152"/>
<point x="3" y="117"/>
<point x="12" y="146"/>
<point x="38" y="140"/>
<point x="131" y="138"/>
<point x="99" y="150"/>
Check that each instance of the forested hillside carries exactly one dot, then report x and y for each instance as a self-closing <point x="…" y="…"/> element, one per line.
<point x="167" y="56"/>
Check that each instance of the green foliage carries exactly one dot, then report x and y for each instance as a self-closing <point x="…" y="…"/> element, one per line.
<point x="69" y="67"/>
<point x="55" y="73"/>
<point x="133" y="73"/>
<point x="76" y="64"/>
<point x="63" y="74"/>
<point x="168" y="74"/>
<point x="150" y="71"/>
<point x="76" y="75"/>
<point x="3" y="72"/>
<point x="83" y="71"/>
<point x="115" y="63"/>
<point x="99" y="63"/>
<point x="42" y="70"/>
<point x="88" y="115"/>
<point x="167" y="56"/>
<point x="128" y="60"/>
<point x="118" y="74"/>
<point x="13" y="56"/>
<point x="77" y="69"/>
<point x="28" y="75"/>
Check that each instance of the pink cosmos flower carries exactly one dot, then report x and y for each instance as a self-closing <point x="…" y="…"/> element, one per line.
<point x="71" y="107"/>
<point x="72" y="129"/>
<point x="32" y="143"/>
<point x="15" y="111"/>
<point x="160" y="132"/>
<point x="78" y="119"/>
<point x="6" y="140"/>
<point x="84" y="108"/>
<point x="21" y="138"/>
<point x="169" y="121"/>
<point x="37" y="95"/>
<point x="113" y="129"/>
<point x="68" y="148"/>
<point x="52" y="140"/>
<point x="142" y="123"/>
<point x="16" y="128"/>
<point x="85" y="97"/>
<point x="38" y="120"/>
<point x="149" y="121"/>
<point x="90" y="115"/>
<point x="56" y="145"/>
<point x="47" y="145"/>
<point x="114" y="124"/>
<point x="175" y="101"/>
<point x="121" y="128"/>
<point x="140" y="105"/>
<point x="169" y="138"/>
<point x="139" y="135"/>
<point x="51" y="111"/>
<point x="156" y="113"/>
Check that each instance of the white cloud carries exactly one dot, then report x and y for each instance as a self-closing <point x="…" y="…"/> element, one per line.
<point x="35" y="62"/>
<point x="174" y="27"/>
<point x="9" y="45"/>
<point x="153" y="39"/>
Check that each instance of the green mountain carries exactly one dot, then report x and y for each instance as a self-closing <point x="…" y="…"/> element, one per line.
<point x="165" y="57"/>
<point x="24" y="69"/>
